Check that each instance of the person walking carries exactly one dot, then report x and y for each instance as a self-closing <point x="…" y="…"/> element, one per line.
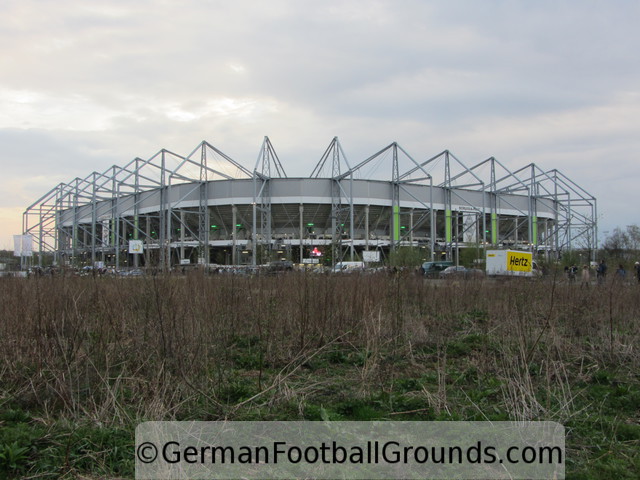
<point x="601" y="272"/>
<point x="585" y="276"/>
<point x="637" y="267"/>
<point x="621" y="273"/>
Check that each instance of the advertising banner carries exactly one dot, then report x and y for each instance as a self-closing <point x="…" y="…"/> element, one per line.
<point x="23" y="245"/>
<point x="135" y="246"/>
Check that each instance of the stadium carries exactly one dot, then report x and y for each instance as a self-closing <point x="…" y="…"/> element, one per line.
<point x="207" y="209"/>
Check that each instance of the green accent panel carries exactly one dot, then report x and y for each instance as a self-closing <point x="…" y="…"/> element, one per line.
<point x="534" y="223"/>
<point x="494" y="228"/>
<point x="447" y="226"/>
<point x="135" y="227"/>
<point x="396" y="223"/>
<point x="112" y="231"/>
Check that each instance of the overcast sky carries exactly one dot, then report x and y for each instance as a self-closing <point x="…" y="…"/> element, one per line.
<point x="85" y="85"/>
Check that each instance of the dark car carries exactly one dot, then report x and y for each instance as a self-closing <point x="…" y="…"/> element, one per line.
<point x="432" y="269"/>
<point x="279" y="266"/>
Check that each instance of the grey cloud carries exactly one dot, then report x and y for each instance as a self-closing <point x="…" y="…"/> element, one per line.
<point x="430" y="75"/>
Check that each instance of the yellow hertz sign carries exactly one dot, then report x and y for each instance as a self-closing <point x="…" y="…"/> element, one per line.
<point x="519" y="261"/>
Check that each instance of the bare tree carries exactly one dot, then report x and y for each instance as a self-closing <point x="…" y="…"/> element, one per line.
<point x="624" y="244"/>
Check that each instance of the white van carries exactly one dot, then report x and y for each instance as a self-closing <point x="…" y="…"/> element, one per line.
<point x="348" y="267"/>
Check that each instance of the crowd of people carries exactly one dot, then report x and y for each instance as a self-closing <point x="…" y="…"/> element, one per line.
<point x="601" y="273"/>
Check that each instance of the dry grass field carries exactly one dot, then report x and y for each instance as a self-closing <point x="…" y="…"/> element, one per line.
<point x="83" y="360"/>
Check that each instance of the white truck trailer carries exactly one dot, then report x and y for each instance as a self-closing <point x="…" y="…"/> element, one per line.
<point x="510" y="263"/>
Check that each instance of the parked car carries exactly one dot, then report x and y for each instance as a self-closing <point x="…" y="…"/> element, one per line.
<point x="432" y="269"/>
<point x="279" y="266"/>
<point x="348" y="267"/>
<point x="131" y="273"/>
<point x="461" y="272"/>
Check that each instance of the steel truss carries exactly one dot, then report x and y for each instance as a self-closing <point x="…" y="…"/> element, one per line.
<point x="441" y="204"/>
